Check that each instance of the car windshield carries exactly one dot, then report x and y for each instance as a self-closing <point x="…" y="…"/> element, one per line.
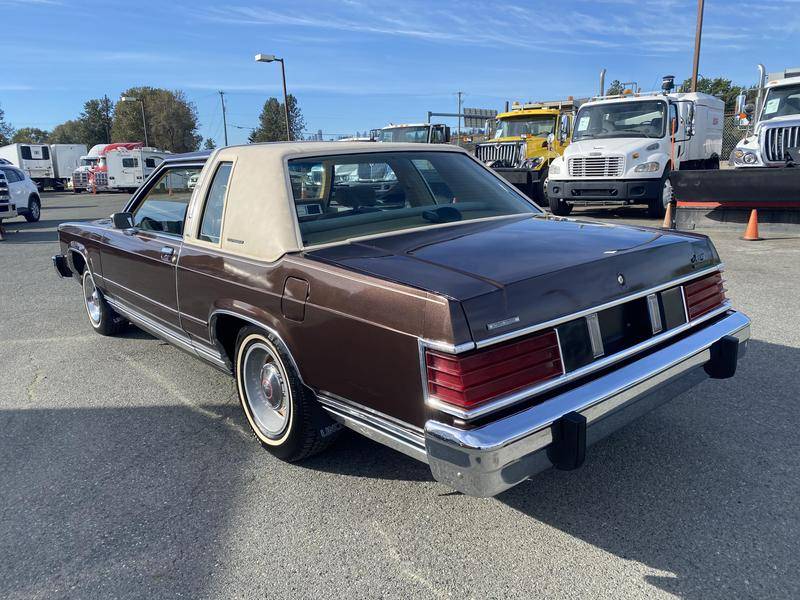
<point x="353" y="195"/>
<point x="541" y="126"/>
<point x="781" y="102"/>
<point x="404" y="134"/>
<point x="621" y="119"/>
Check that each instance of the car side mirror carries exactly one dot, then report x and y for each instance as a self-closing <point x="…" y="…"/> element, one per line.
<point x="122" y="220"/>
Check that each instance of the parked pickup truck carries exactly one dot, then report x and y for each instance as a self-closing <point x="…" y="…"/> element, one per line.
<point x="413" y="314"/>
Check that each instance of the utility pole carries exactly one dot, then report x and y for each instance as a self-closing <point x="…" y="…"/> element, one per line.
<point x="697" y="35"/>
<point x="224" y="120"/>
<point x="107" y="111"/>
<point x="459" y="116"/>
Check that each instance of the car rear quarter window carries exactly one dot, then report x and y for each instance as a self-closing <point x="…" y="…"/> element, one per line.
<point x="211" y="223"/>
<point x="163" y="207"/>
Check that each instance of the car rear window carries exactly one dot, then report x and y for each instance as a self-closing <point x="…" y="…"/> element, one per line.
<point x="352" y="195"/>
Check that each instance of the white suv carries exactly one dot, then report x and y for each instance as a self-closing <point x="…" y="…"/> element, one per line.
<point x="18" y="195"/>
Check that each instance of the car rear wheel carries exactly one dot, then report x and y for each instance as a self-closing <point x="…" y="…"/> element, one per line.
<point x="283" y="414"/>
<point x="102" y="317"/>
<point x="34" y="210"/>
<point x="559" y="206"/>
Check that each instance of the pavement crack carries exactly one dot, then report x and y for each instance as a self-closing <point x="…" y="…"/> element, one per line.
<point x="38" y="377"/>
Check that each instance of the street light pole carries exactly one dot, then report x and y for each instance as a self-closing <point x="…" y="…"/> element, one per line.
<point x="697" y="36"/>
<point x="144" y="119"/>
<point x="224" y="117"/>
<point x="272" y="58"/>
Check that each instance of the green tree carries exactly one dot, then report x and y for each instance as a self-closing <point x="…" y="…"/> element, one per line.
<point x="30" y="135"/>
<point x="70" y="132"/>
<point x="209" y="144"/>
<point x="614" y="88"/>
<point x="6" y="130"/>
<point x="97" y="118"/>
<point x="171" y="120"/>
<point x="722" y="88"/>
<point x="272" y="122"/>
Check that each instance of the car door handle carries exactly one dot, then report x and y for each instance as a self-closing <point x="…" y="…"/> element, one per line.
<point x="167" y="252"/>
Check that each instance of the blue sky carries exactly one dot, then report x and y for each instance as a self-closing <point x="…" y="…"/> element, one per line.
<point x="359" y="64"/>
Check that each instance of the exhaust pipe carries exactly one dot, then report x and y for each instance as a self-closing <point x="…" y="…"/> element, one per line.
<point x="602" y="82"/>
<point x="762" y="81"/>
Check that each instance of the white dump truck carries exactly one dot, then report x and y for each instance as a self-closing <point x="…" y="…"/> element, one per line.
<point x="48" y="165"/>
<point x="625" y="146"/>
<point x="773" y="122"/>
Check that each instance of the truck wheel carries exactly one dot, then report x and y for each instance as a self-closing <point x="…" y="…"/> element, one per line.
<point x="101" y="316"/>
<point x="657" y="207"/>
<point x="283" y="414"/>
<point x="541" y="188"/>
<point x="559" y="206"/>
<point x="34" y="210"/>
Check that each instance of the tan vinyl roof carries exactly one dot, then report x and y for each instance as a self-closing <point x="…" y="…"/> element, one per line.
<point x="259" y="220"/>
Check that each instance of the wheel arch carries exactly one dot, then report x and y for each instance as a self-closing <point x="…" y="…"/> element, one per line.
<point x="225" y="324"/>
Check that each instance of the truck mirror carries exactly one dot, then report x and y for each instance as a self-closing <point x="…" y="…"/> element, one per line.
<point x="550" y="139"/>
<point x="749" y="109"/>
<point x="741" y="99"/>
<point x="564" y="129"/>
<point x="122" y="220"/>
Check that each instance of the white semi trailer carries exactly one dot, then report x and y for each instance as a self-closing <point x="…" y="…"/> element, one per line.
<point x="625" y="146"/>
<point x="773" y="122"/>
<point x="48" y="165"/>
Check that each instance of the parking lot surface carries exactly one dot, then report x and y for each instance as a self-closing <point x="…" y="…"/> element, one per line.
<point x="127" y="471"/>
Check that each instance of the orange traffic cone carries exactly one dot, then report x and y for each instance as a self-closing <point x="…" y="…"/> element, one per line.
<point x="751" y="233"/>
<point x="668" y="224"/>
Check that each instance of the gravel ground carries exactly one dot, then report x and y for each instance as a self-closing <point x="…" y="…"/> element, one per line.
<point x="127" y="471"/>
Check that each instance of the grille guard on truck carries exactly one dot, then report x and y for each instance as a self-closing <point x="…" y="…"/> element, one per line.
<point x="490" y="459"/>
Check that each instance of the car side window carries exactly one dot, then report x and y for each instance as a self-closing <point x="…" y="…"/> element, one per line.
<point x="12" y="176"/>
<point x="163" y="208"/>
<point x="211" y="223"/>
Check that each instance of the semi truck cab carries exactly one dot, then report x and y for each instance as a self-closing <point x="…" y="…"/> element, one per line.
<point x="625" y="146"/>
<point x="774" y="140"/>
<point x="527" y="140"/>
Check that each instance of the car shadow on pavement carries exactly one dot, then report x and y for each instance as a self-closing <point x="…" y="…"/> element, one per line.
<point x="703" y="489"/>
<point x="99" y="502"/>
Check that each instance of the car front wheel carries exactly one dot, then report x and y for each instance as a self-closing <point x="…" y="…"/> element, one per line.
<point x="101" y="316"/>
<point x="283" y="414"/>
<point x="34" y="210"/>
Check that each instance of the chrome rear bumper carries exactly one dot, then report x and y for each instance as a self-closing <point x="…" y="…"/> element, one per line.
<point x="490" y="459"/>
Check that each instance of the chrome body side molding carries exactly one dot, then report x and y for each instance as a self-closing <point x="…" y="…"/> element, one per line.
<point x="162" y="332"/>
<point x="375" y="426"/>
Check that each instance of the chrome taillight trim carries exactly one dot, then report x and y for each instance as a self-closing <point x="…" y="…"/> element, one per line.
<point x="525" y="393"/>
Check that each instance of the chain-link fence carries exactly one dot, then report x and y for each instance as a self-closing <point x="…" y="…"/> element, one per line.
<point x="731" y="135"/>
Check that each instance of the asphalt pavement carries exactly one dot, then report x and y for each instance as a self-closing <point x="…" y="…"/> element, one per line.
<point x="127" y="471"/>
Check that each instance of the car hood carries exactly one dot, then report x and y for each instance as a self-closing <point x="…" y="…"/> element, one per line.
<point x="526" y="269"/>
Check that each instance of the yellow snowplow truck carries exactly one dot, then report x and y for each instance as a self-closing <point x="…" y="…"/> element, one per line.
<point x="527" y="139"/>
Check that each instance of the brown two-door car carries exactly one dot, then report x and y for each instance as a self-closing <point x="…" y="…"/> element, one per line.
<point x="409" y="294"/>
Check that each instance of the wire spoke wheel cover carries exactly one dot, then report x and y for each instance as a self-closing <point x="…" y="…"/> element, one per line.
<point x="265" y="389"/>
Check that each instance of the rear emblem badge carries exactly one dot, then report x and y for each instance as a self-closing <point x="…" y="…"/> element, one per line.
<point x="503" y="323"/>
<point x="621" y="279"/>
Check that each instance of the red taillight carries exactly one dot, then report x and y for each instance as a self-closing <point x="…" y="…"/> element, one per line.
<point x="474" y="378"/>
<point x="704" y="295"/>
